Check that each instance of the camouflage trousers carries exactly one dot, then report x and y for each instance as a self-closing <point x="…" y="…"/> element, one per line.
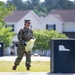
<point x="20" y="53"/>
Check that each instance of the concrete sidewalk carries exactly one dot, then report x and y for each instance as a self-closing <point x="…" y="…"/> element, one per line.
<point x="24" y="73"/>
<point x="33" y="73"/>
<point x="33" y="58"/>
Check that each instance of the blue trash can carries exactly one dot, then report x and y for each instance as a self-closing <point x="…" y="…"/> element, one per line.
<point x="1" y="49"/>
<point x="63" y="55"/>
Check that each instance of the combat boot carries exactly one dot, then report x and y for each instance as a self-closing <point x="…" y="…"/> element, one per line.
<point x="14" y="67"/>
<point x="28" y="67"/>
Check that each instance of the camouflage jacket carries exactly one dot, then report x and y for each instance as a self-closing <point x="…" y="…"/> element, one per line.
<point x="25" y="35"/>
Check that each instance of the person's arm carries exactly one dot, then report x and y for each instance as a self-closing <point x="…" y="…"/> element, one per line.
<point x="32" y="37"/>
<point x="32" y="34"/>
<point x="20" y="37"/>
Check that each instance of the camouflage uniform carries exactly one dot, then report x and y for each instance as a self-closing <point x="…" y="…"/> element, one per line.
<point x="24" y="35"/>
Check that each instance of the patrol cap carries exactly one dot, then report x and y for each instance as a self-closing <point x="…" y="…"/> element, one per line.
<point x="27" y="21"/>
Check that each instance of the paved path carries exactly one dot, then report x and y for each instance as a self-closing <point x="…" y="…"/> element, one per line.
<point x="24" y="73"/>
<point x="33" y="73"/>
<point x="33" y="58"/>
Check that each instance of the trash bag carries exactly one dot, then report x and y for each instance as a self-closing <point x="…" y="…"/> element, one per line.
<point x="29" y="45"/>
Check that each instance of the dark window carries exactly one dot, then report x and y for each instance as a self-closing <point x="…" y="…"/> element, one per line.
<point x="54" y="26"/>
<point x="50" y="26"/>
<point x="12" y="27"/>
<point x="47" y="26"/>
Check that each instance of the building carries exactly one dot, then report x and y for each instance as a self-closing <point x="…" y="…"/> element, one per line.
<point x="16" y="21"/>
<point x="62" y="21"/>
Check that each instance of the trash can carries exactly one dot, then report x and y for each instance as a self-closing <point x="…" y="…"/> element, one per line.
<point x="63" y="55"/>
<point x="1" y="49"/>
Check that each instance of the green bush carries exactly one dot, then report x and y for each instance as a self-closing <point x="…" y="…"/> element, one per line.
<point x="6" y="36"/>
<point x="43" y="38"/>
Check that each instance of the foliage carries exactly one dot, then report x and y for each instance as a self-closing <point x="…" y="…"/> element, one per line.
<point x="59" y="4"/>
<point x="5" y="34"/>
<point x="5" y="10"/>
<point x="43" y="38"/>
<point x="17" y="3"/>
<point x="42" y="8"/>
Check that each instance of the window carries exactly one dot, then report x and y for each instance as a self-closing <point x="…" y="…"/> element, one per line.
<point x="50" y="26"/>
<point x="10" y="26"/>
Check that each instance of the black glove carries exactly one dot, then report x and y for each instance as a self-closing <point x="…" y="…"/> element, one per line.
<point x="32" y="38"/>
<point x="24" y="43"/>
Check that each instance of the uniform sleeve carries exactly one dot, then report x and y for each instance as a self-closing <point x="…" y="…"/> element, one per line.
<point x="32" y="34"/>
<point x="20" y="34"/>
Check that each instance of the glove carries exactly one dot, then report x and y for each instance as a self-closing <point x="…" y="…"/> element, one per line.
<point x="24" y="43"/>
<point x="32" y="38"/>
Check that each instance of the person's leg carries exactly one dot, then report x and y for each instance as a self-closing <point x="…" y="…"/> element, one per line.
<point x="28" y="60"/>
<point x="20" y="53"/>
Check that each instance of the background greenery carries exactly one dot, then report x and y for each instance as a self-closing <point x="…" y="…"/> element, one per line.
<point x="43" y="39"/>
<point x="5" y="33"/>
<point x="42" y="8"/>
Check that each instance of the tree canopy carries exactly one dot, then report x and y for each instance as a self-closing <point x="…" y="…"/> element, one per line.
<point x="42" y="8"/>
<point x="5" y="34"/>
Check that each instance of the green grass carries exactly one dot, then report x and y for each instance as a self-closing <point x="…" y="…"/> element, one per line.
<point x="36" y="66"/>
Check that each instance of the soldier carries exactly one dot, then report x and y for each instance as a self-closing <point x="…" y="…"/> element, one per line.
<point x="24" y="36"/>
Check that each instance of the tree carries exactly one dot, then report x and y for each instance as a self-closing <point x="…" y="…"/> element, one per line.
<point x="5" y="34"/>
<point x="39" y="10"/>
<point x="59" y="4"/>
<point x="18" y="3"/>
<point x="71" y="5"/>
<point x="49" y="4"/>
<point x="43" y="38"/>
<point x="35" y="3"/>
<point x="4" y="11"/>
<point x="28" y="5"/>
<point x="42" y="8"/>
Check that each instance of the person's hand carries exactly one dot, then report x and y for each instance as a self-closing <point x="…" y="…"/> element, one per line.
<point x="33" y="38"/>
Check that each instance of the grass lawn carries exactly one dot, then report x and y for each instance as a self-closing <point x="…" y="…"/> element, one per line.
<point x="36" y="66"/>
